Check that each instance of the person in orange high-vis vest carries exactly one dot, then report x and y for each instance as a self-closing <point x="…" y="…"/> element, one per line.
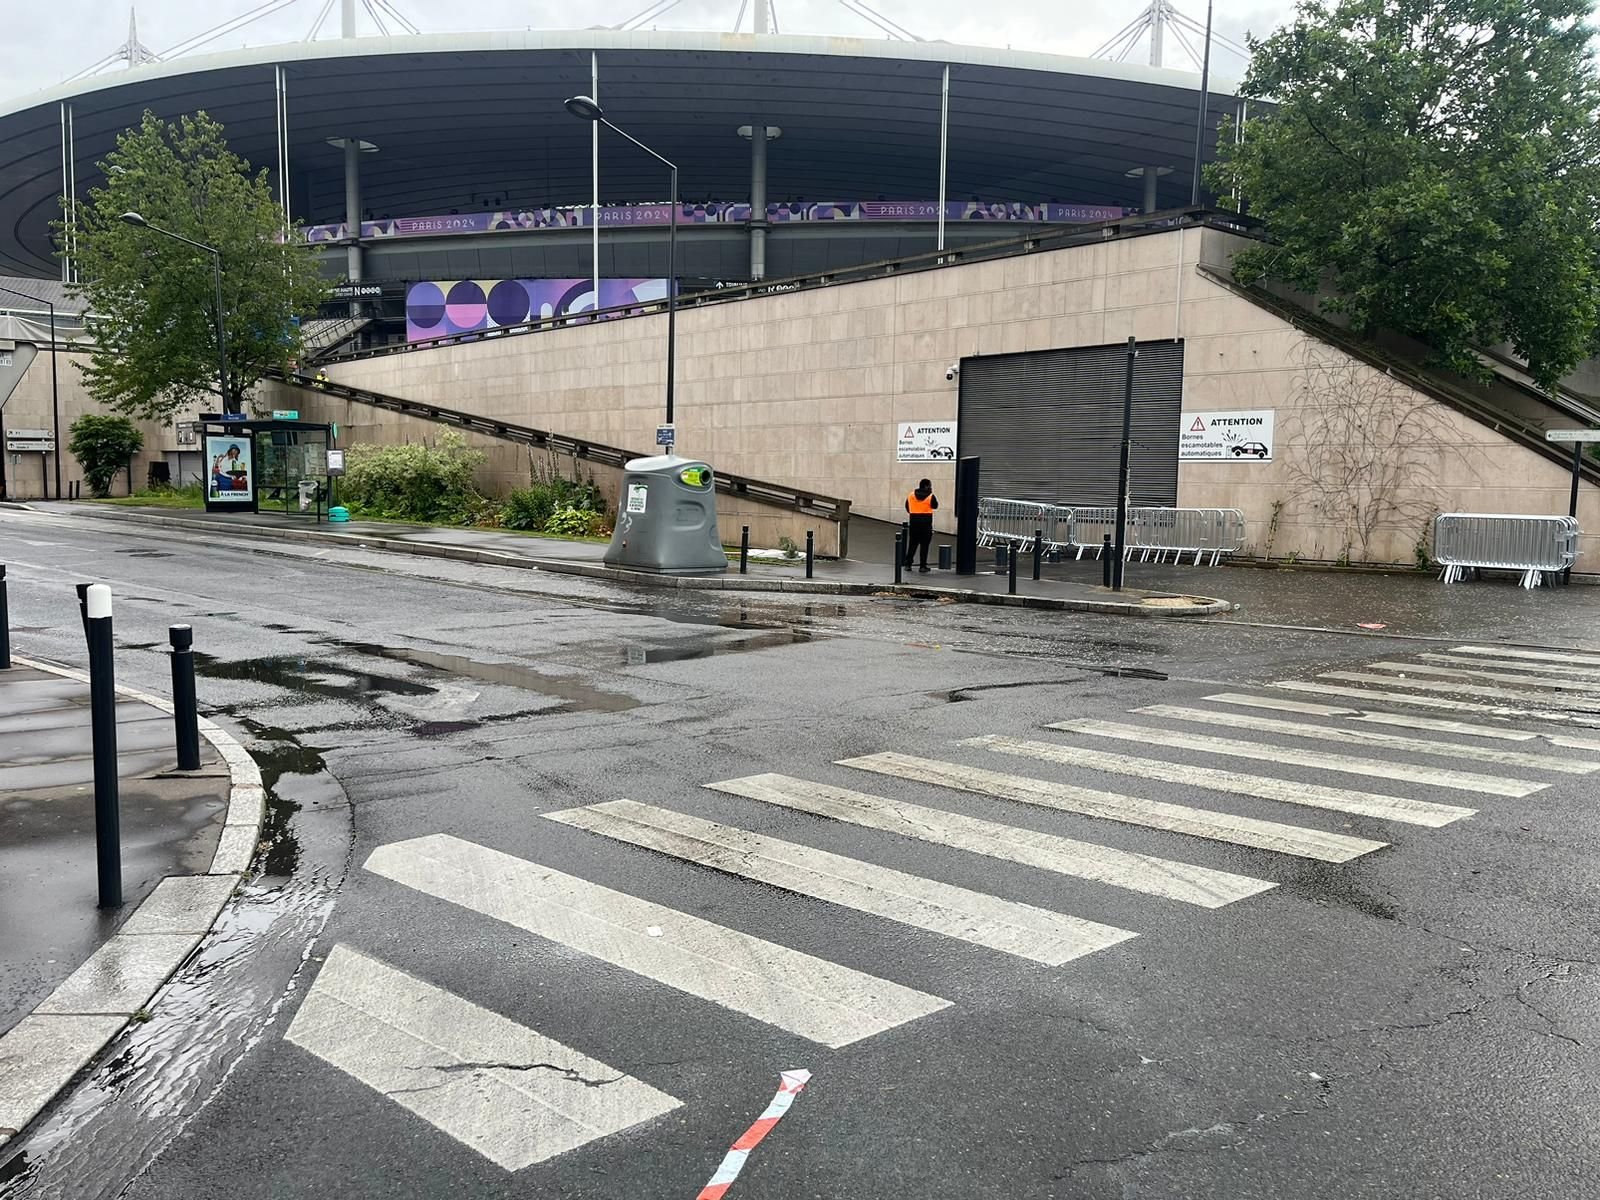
<point x="920" y="507"/>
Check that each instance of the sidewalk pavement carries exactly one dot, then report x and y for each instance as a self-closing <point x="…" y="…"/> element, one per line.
<point x="852" y="576"/>
<point x="74" y="973"/>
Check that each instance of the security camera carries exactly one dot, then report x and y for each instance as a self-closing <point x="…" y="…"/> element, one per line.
<point x="952" y="370"/>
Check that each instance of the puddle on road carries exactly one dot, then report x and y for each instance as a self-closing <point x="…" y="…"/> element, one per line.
<point x="311" y="676"/>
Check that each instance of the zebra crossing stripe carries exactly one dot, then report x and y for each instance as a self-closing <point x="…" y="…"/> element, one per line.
<point x="1524" y="680"/>
<point x="511" y="1094"/>
<point x="1562" y="656"/>
<point x="812" y="997"/>
<point x="1520" y="666"/>
<point x="1494" y="785"/>
<point x="1502" y="733"/>
<point x="1457" y="689"/>
<point x="1370" y="737"/>
<point x="1143" y="873"/>
<point x="1153" y="814"/>
<point x="1436" y="702"/>
<point x="1365" y="804"/>
<point x="1033" y="933"/>
<point x="790" y="1085"/>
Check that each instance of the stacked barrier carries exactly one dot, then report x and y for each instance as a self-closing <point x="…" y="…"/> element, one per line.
<point x="1533" y="545"/>
<point x="1152" y="532"/>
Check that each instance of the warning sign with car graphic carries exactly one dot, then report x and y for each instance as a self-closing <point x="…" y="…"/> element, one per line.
<point x="1226" y="436"/>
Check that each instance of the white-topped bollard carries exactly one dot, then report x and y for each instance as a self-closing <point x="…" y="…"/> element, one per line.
<point x="103" y="724"/>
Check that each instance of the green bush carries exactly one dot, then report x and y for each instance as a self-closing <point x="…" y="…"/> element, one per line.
<point x="415" y="482"/>
<point x="576" y="522"/>
<point x="532" y="507"/>
<point x="103" y="445"/>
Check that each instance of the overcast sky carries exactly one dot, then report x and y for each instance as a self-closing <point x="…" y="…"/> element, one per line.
<point x="69" y="36"/>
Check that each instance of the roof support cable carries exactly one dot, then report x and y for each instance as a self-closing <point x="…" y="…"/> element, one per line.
<point x="227" y="27"/>
<point x="1129" y="32"/>
<point x="1199" y="30"/>
<point x="316" y="26"/>
<point x="398" y="17"/>
<point x="738" y="22"/>
<point x="649" y="13"/>
<point x="377" y="16"/>
<point x="1188" y="48"/>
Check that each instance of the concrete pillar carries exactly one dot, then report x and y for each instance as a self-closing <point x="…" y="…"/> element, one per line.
<point x="758" y="201"/>
<point x="347" y="18"/>
<point x="1151" y="174"/>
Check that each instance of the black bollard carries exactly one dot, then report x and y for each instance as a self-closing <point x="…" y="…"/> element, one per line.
<point x="899" y="552"/>
<point x="1105" y="562"/>
<point x="744" y="551"/>
<point x="944" y="557"/>
<point x="1011" y="570"/>
<point x="1000" y="559"/>
<point x="185" y="720"/>
<point x="811" y="549"/>
<point x="1038" y="552"/>
<point x="5" y="623"/>
<point x="103" y="723"/>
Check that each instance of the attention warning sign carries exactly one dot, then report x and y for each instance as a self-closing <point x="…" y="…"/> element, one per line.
<point x="1246" y="436"/>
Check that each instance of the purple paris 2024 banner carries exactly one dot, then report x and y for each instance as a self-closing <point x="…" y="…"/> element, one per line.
<point x="445" y="308"/>
<point x="617" y="216"/>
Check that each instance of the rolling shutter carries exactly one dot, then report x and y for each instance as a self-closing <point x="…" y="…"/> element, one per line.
<point x="1048" y="424"/>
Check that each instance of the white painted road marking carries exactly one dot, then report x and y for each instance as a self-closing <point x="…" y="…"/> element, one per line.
<point x="1502" y="733"/>
<point x="1455" y="689"/>
<point x="1521" y="666"/>
<point x="1562" y="656"/>
<point x="1438" y="702"/>
<point x="1366" y="804"/>
<point x="1045" y="937"/>
<point x="1524" y="680"/>
<point x="1495" y="785"/>
<point x="513" y="1095"/>
<point x="809" y="996"/>
<point x="1371" y="737"/>
<point x="1084" y="860"/>
<point x="1154" y="814"/>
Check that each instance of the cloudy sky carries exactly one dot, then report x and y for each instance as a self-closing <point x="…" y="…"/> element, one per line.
<point x="76" y="33"/>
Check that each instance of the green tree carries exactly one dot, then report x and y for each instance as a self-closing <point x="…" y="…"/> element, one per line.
<point x="103" y="446"/>
<point x="1435" y="163"/>
<point x="153" y="298"/>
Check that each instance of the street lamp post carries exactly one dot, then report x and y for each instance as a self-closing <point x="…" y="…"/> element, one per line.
<point x="586" y="109"/>
<point x="55" y="390"/>
<point x="133" y="218"/>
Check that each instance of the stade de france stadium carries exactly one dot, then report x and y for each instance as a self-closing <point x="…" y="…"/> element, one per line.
<point x="834" y="316"/>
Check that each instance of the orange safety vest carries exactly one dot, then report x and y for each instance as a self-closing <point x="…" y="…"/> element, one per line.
<point x="920" y="506"/>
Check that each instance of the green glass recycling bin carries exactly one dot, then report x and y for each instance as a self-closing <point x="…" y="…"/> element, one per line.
<point x="667" y="518"/>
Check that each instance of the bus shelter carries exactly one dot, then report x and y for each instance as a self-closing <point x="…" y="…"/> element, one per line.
<point x="277" y="466"/>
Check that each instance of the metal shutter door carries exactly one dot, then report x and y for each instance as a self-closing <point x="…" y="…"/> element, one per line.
<point x="1048" y="424"/>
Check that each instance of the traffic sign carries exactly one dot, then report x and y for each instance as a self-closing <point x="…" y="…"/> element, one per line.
<point x="1572" y="435"/>
<point x="286" y="414"/>
<point x="667" y="435"/>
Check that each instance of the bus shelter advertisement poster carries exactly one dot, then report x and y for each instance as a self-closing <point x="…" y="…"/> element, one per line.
<point x="232" y="477"/>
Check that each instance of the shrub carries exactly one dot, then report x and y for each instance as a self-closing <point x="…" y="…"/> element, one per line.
<point x="103" y="445"/>
<point x="575" y="522"/>
<point x="415" y="482"/>
<point x="528" y="508"/>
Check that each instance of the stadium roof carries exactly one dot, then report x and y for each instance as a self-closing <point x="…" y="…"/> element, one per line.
<point x="456" y="116"/>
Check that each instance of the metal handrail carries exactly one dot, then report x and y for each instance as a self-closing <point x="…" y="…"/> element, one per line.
<point x="777" y="495"/>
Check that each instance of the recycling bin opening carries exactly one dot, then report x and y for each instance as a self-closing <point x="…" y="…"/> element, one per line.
<point x="667" y="518"/>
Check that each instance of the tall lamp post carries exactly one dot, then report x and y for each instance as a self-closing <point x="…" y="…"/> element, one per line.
<point x="55" y="391"/>
<point x="586" y="109"/>
<point x="133" y="218"/>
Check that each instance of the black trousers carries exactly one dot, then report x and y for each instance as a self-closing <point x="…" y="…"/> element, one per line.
<point x="920" y="537"/>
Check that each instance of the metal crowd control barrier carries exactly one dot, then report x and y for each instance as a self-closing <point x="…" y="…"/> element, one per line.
<point x="1152" y="532"/>
<point x="1533" y="545"/>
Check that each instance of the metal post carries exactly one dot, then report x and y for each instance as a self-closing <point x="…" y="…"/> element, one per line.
<point x="1038" y="552"/>
<point x="352" y="213"/>
<point x="1205" y="99"/>
<point x="103" y="723"/>
<point x="899" y="552"/>
<point x="5" y="623"/>
<point x="1122" y="470"/>
<point x="83" y="607"/>
<point x="594" y="177"/>
<point x="1011" y="570"/>
<point x="744" y="550"/>
<point x="758" y="202"/>
<point x="810" y="551"/>
<point x="672" y="293"/>
<point x="55" y="397"/>
<point x="1105" y="562"/>
<point x="967" y="471"/>
<point x="228" y="405"/>
<point x="1572" y="503"/>
<point x="944" y="148"/>
<point x="185" y="720"/>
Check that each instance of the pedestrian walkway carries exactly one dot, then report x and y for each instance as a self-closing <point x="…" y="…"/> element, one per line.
<point x="518" y="1096"/>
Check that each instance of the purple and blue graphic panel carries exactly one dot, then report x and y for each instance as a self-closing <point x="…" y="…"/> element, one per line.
<point x="620" y="216"/>
<point x="445" y="308"/>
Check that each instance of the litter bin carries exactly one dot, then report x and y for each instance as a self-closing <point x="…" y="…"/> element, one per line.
<point x="667" y="519"/>
<point x="308" y="494"/>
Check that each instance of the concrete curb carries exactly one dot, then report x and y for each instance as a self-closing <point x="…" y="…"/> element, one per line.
<point x="43" y="1052"/>
<point x="1198" y="606"/>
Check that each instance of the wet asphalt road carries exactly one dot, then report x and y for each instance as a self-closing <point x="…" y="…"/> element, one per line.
<point x="1420" y="1021"/>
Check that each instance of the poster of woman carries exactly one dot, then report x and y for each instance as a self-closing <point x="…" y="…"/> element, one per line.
<point x="231" y="477"/>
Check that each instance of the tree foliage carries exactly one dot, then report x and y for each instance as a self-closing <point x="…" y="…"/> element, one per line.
<point x="103" y="446"/>
<point x="1436" y="163"/>
<point x="152" y="299"/>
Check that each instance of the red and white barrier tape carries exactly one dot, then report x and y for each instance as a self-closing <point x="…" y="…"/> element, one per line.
<point x="793" y="1083"/>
